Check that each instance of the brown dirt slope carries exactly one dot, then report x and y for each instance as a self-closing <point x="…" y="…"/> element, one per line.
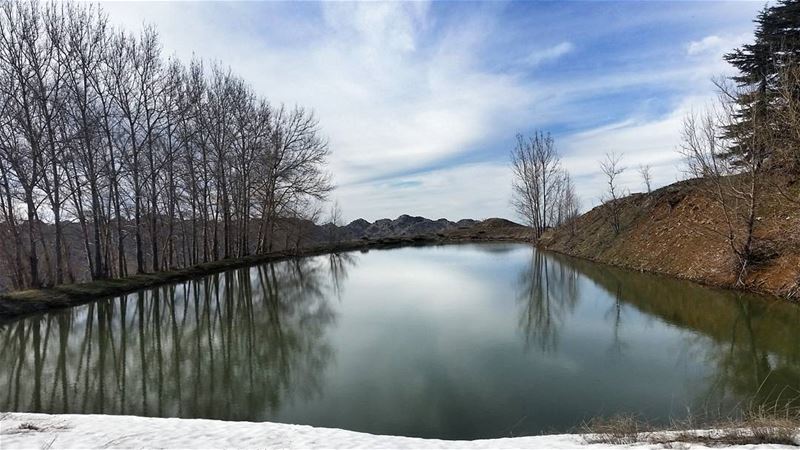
<point x="678" y="230"/>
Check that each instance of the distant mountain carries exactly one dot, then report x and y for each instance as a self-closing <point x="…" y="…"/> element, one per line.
<point x="404" y="225"/>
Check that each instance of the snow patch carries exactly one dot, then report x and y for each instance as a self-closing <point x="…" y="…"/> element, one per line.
<point x="24" y="430"/>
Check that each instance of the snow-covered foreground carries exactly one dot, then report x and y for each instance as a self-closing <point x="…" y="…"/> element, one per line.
<point x="23" y="430"/>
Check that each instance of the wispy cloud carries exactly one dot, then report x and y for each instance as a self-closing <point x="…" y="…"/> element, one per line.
<point x="541" y="56"/>
<point x="715" y="46"/>
<point x="387" y="105"/>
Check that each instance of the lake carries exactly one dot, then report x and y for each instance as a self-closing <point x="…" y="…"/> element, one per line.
<point x="453" y="342"/>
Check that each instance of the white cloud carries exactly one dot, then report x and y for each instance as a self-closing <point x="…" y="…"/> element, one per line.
<point x="541" y="56"/>
<point x="715" y="46"/>
<point x="704" y="45"/>
<point x="387" y="26"/>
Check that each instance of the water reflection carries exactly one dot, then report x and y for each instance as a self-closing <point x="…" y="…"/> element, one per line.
<point x="408" y="342"/>
<point x="547" y="293"/>
<point x="338" y="265"/>
<point x="752" y="363"/>
<point x="750" y="342"/>
<point x="235" y="345"/>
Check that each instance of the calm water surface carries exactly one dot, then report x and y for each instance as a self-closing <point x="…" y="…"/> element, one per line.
<point x="456" y="342"/>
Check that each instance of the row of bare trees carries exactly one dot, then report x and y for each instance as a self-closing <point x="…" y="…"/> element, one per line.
<point x="142" y="162"/>
<point x="543" y="192"/>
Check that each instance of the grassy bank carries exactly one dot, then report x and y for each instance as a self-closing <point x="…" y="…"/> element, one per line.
<point x="16" y="304"/>
<point x="679" y="230"/>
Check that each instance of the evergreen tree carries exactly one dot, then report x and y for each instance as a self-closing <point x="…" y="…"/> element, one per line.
<point x="776" y="46"/>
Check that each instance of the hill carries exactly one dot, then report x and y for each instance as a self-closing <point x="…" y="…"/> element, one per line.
<point x="678" y="230"/>
<point x="406" y="226"/>
<point x="403" y="226"/>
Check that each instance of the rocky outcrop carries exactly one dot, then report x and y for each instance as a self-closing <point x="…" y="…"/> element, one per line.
<point x="403" y="226"/>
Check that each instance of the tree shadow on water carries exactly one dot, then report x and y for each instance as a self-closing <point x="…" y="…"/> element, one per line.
<point x="547" y="292"/>
<point x="237" y="346"/>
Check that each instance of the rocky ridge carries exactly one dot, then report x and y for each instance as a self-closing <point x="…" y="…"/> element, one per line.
<point x="403" y="226"/>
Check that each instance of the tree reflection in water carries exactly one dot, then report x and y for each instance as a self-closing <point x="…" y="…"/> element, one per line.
<point x="547" y="293"/>
<point x="750" y="343"/>
<point x="235" y="346"/>
<point x="756" y="367"/>
<point x="338" y="265"/>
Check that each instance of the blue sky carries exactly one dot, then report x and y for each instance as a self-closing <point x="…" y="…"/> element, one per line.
<point x="421" y="100"/>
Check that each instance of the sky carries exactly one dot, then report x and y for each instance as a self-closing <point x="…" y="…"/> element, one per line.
<point x="421" y="101"/>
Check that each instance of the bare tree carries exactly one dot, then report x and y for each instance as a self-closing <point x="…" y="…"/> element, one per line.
<point x="294" y="166"/>
<point x="735" y="189"/>
<point x="612" y="168"/>
<point x="644" y="171"/>
<point x="336" y="220"/>
<point x="80" y="53"/>
<point x="568" y="204"/>
<point x="47" y="86"/>
<point x="537" y="179"/>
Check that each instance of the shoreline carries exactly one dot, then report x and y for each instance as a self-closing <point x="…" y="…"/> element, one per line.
<point x="18" y="304"/>
<point x="671" y="231"/>
<point x="710" y="284"/>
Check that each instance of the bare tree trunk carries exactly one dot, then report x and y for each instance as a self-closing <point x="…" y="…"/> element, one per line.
<point x="10" y="219"/>
<point x="33" y="258"/>
<point x="77" y="200"/>
<point x="138" y="215"/>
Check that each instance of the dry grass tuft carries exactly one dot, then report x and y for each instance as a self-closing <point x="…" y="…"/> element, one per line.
<point x="28" y="426"/>
<point x="770" y="426"/>
<point x="756" y="427"/>
<point x="615" y="430"/>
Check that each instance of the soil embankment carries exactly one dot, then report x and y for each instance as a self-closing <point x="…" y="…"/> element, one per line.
<point x="19" y="303"/>
<point x="679" y="230"/>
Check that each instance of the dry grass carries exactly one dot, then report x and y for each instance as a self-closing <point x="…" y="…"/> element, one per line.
<point x="616" y="430"/>
<point x="760" y="426"/>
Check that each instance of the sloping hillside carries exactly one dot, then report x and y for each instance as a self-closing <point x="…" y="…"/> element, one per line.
<point x="677" y="230"/>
